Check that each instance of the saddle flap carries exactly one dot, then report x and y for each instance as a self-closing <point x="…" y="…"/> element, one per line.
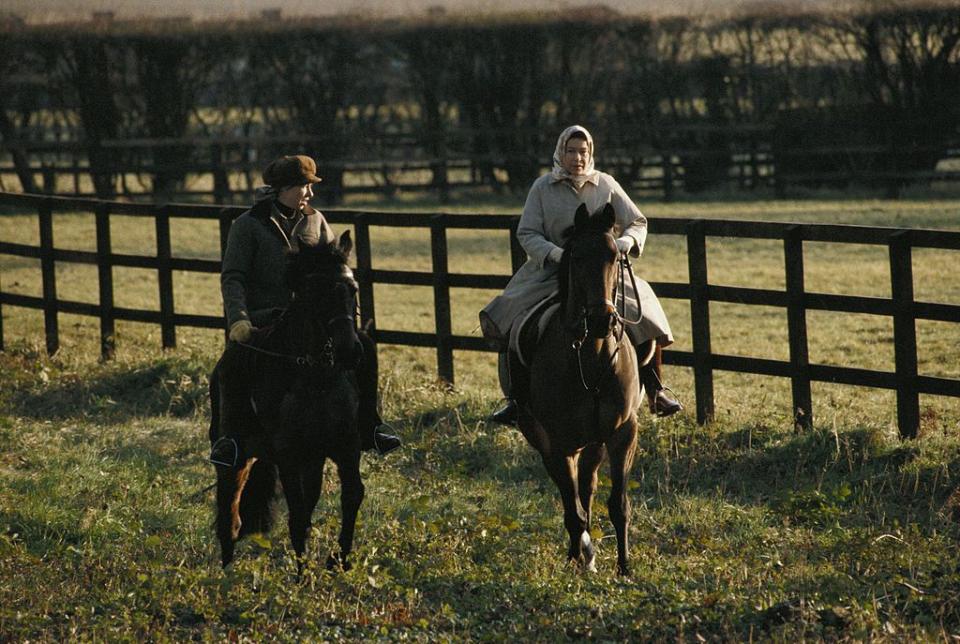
<point x="525" y="334"/>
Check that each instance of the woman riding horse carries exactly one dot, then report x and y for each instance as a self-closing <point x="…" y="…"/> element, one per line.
<point x="254" y="291"/>
<point x="548" y="213"/>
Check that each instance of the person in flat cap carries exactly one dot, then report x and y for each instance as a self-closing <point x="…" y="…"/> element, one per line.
<point x="255" y="292"/>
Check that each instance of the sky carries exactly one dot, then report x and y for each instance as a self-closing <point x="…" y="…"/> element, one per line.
<point x="60" y="10"/>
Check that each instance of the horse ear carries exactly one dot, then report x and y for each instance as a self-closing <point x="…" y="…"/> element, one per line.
<point x="607" y="217"/>
<point x="581" y="217"/>
<point x="346" y="243"/>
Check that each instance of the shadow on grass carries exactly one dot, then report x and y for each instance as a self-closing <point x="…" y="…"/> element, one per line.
<point x="174" y="387"/>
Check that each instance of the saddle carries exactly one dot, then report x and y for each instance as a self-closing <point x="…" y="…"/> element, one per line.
<point x="526" y="332"/>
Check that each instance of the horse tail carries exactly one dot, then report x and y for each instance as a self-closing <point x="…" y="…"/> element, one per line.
<point x="257" y="502"/>
<point x="214" y="386"/>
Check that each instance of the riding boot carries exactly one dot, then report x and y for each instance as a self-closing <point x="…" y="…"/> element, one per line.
<point x="374" y="433"/>
<point x="661" y="400"/>
<point x="515" y="382"/>
<point x="224" y="450"/>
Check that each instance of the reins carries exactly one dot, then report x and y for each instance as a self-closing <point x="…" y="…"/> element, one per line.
<point x="326" y="357"/>
<point x="621" y="318"/>
<point x="306" y="360"/>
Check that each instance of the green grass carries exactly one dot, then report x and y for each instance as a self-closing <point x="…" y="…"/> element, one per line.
<point x="742" y="529"/>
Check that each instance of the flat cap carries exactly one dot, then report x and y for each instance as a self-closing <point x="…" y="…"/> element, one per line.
<point x="295" y="170"/>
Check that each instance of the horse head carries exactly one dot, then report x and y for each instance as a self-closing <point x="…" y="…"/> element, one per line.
<point x="588" y="273"/>
<point x="324" y="293"/>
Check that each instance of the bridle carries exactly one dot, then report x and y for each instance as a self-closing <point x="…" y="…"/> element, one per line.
<point x="620" y="317"/>
<point x="327" y="356"/>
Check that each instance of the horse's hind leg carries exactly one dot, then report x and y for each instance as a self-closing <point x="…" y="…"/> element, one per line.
<point x="230" y="484"/>
<point x="621" y="450"/>
<point x="226" y="488"/>
<point x="563" y="471"/>
<point x="242" y="476"/>
<point x="351" y="496"/>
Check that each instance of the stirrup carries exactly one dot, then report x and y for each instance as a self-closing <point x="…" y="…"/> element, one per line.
<point x="508" y="415"/>
<point x="666" y="412"/>
<point x="224" y="451"/>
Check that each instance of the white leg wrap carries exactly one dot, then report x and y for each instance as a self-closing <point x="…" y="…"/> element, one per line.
<point x="591" y="563"/>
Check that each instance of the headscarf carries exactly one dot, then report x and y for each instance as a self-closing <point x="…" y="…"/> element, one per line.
<point x="558" y="172"/>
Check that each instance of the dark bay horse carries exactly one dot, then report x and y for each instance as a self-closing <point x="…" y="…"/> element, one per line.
<point x="289" y="399"/>
<point x="584" y="387"/>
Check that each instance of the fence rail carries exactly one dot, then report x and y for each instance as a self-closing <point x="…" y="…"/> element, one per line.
<point x="901" y="306"/>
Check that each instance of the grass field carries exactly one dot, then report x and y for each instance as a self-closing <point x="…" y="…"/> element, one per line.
<point x="742" y="529"/>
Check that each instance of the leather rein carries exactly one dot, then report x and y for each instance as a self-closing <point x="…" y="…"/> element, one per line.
<point x="326" y="358"/>
<point x="624" y="268"/>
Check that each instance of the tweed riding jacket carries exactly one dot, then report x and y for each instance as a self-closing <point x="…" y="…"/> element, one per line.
<point x="252" y="277"/>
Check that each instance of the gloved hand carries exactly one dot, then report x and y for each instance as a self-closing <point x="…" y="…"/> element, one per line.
<point x="241" y="330"/>
<point x="625" y="244"/>
<point x="555" y="255"/>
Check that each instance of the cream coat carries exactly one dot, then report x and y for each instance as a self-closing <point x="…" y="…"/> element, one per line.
<point x="548" y="212"/>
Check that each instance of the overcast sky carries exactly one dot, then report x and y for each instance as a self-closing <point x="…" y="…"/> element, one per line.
<point x="56" y="10"/>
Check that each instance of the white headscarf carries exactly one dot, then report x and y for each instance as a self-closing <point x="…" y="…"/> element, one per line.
<point x="558" y="172"/>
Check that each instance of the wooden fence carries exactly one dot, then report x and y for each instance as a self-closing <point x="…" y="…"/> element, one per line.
<point x="228" y="169"/>
<point x="901" y="306"/>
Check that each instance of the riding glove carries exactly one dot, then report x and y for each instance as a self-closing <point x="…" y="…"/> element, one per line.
<point x="555" y="255"/>
<point x="625" y="244"/>
<point x="241" y="330"/>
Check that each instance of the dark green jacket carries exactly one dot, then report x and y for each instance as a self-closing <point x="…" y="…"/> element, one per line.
<point x="252" y="274"/>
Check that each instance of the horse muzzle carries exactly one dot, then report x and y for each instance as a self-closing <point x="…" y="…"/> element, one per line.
<point x="601" y="321"/>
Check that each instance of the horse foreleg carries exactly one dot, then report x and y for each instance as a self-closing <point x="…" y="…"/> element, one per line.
<point x="351" y="496"/>
<point x="563" y="471"/>
<point x="241" y="481"/>
<point x="621" y="449"/>
<point x="298" y="520"/>
<point x="587" y="466"/>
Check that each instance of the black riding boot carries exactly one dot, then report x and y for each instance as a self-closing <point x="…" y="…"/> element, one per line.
<point x="374" y="433"/>
<point x="515" y="379"/>
<point x="661" y="400"/>
<point x="224" y="450"/>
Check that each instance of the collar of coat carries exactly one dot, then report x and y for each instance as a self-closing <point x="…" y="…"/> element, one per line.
<point x="594" y="179"/>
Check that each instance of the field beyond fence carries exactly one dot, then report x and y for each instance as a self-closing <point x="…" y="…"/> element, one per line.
<point x="798" y="302"/>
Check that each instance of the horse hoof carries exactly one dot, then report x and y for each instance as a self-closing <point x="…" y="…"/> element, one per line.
<point x="336" y="562"/>
<point x="623" y="571"/>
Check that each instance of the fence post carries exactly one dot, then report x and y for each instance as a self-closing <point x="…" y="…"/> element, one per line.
<point x="518" y="256"/>
<point x="441" y="297"/>
<point x="105" y="281"/>
<point x="797" y="328"/>
<point x="666" y="162"/>
<point x="365" y="272"/>
<point x="48" y="272"/>
<point x="221" y="177"/>
<point x="168" y="330"/>
<point x="2" y="348"/>
<point x="904" y="334"/>
<point x="700" y="320"/>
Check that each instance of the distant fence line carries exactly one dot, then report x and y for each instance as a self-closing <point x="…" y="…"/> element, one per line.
<point x="901" y="306"/>
<point x="232" y="166"/>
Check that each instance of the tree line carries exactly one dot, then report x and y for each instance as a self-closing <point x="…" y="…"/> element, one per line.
<point x="874" y="89"/>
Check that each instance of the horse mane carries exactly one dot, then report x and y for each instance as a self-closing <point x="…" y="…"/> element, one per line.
<point x="309" y="259"/>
